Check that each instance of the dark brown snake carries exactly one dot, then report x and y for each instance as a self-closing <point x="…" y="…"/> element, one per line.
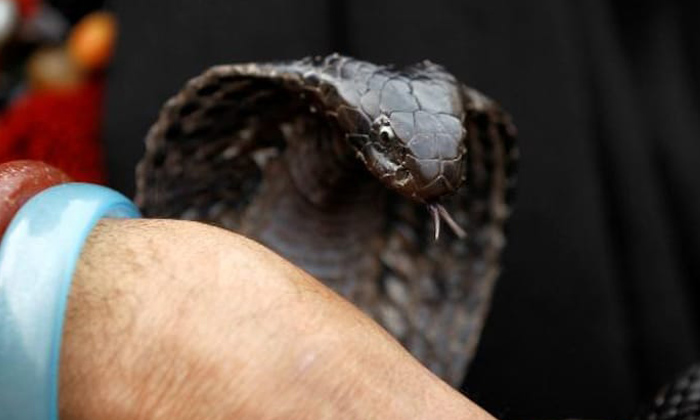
<point x="346" y="168"/>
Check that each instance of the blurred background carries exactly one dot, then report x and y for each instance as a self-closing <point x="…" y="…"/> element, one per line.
<point x="599" y="301"/>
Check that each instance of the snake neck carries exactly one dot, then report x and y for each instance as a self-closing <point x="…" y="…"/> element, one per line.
<point x="318" y="206"/>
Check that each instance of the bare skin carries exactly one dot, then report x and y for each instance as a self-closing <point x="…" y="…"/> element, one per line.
<point x="178" y="320"/>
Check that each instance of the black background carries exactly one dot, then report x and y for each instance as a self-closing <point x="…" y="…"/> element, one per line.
<point x="598" y="302"/>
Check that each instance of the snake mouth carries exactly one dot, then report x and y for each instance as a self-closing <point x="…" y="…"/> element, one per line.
<point x="402" y="180"/>
<point x="438" y="211"/>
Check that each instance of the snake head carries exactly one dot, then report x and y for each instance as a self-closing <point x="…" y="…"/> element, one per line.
<point x="418" y="154"/>
<point x="407" y="128"/>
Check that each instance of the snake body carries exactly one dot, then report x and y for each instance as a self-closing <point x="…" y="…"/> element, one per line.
<point x="679" y="400"/>
<point x="346" y="168"/>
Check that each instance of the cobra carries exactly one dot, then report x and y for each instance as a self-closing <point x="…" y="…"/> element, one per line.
<point x="346" y="168"/>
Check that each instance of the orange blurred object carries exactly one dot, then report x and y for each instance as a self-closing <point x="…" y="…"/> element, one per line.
<point x="20" y="180"/>
<point x="91" y="43"/>
<point x="53" y="68"/>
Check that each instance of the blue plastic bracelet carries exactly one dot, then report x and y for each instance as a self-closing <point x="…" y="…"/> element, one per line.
<point x="38" y="256"/>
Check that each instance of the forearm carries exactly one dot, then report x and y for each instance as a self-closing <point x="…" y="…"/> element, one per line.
<point x="179" y="320"/>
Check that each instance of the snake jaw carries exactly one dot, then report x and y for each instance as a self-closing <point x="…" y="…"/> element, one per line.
<point x="438" y="211"/>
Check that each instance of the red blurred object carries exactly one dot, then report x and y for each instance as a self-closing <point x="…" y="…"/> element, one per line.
<point x="27" y="8"/>
<point x="60" y="127"/>
<point x="20" y="180"/>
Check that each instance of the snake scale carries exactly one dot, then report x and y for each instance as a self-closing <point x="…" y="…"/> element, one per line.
<point x="348" y="169"/>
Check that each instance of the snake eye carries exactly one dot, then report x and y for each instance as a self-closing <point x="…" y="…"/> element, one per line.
<point x="386" y="134"/>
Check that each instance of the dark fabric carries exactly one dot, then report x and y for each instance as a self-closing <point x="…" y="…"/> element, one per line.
<point x="598" y="302"/>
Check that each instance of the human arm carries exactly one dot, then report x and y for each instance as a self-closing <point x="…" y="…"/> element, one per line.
<point x="179" y="320"/>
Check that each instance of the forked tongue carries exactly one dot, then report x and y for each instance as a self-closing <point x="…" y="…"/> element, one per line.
<point x="438" y="211"/>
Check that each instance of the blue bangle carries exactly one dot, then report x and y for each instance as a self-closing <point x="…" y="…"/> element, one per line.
<point x="38" y="256"/>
